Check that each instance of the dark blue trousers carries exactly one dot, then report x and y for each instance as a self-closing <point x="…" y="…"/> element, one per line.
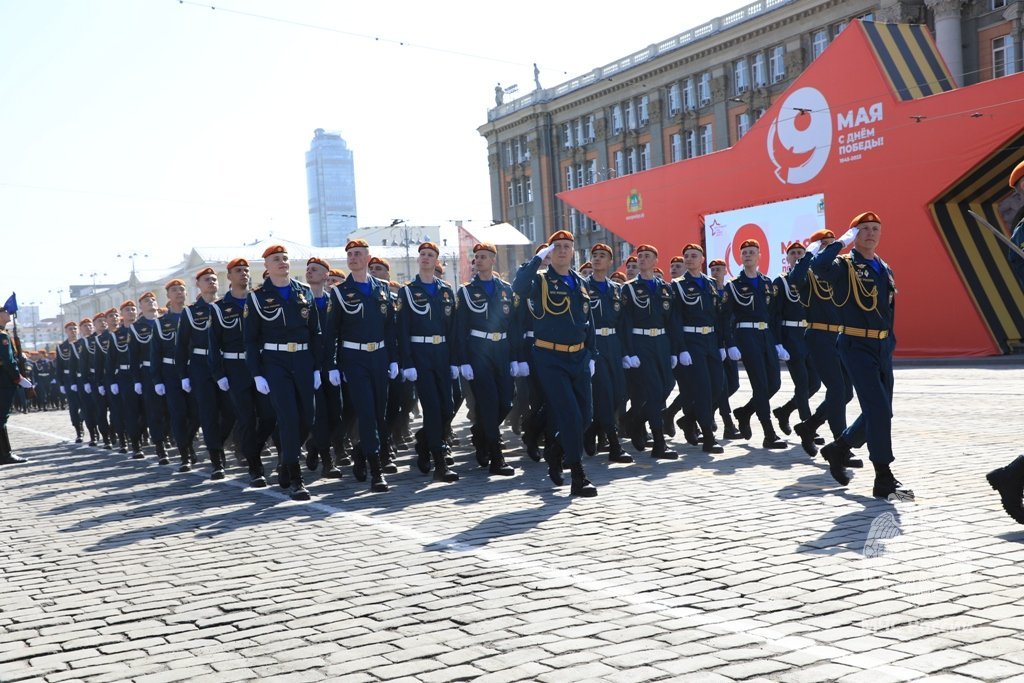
<point x="703" y="381"/>
<point x="653" y="380"/>
<point x="827" y="363"/>
<point x="805" y="379"/>
<point x="869" y="362"/>
<point x="290" y="376"/>
<point x="761" y="361"/>
<point x="565" y="381"/>
<point x="492" y="385"/>
<point x="366" y="374"/>
<point x="609" y="383"/>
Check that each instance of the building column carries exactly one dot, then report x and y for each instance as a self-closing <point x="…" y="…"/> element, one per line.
<point x="947" y="35"/>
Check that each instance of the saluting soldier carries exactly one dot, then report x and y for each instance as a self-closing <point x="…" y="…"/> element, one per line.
<point x="67" y="373"/>
<point x="750" y="297"/>
<point x="483" y="323"/>
<point x="564" y="352"/>
<point x="362" y="337"/>
<point x="609" y="381"/>
<point x="181" y="406"/>
<point x="426" y="316"/>
<point x="327" y="399"/>
<point x="10" y="380"/>
<point x="865" y="293"/>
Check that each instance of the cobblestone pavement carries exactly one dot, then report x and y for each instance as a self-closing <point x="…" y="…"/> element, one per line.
<point x="743" y="566"/>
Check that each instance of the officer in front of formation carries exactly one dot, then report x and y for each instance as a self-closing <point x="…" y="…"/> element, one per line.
<point x="564" y="352"/>
<point x="10" y="380"/>
<point x="284" y="353"/>
<point x="426" y="320"/>
<point x="865" y="295"/>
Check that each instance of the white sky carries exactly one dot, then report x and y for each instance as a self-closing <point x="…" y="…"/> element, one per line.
<point x="152" y="126"/>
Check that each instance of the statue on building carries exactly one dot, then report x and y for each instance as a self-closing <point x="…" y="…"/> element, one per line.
<point x="536" y="76"/>
<point x="499" y="95"/>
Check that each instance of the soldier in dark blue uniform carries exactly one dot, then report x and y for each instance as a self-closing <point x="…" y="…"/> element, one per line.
<point x="362" y="340"/>
<point x="67" y="376"/>
<point x="564" y="352"/>
<point x="181" y="406"/>
<point x="327" y="399"/>
<point x="42" y="375"/>
<point x="98" y="360"/>
<point x="1008" y="481"/>
<point x="111" y="388"/>
<point x="702" y="338"/>
<point x="865" y="294"/>
<point x="426" y="317"/>
<point x="718" y="271"/>
<point x="119" y="370"/>
<point x="86" y="356"/>
<point x="648" y="344"/>
<point x="283" y="349"/>
<point x="750" y="297"/>
<point x="229" y="370"/>
<point x="609" y="381"/>
<point x="483" y="325"/>
<point x="10" y="379"/>
<point x="153" y="405"/>
<point x="191" y="351"/>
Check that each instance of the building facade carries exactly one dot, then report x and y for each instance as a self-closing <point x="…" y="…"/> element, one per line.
<point x="699" y="92"/>
<point x="331" y="185"/>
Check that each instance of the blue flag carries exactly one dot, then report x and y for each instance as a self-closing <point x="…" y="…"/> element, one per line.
<point x="11" y="306"/>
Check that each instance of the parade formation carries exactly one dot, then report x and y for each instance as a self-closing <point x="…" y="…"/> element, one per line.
<point x="328" y="371"/>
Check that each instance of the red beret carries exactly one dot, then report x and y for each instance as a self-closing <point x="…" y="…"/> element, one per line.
<point x="352" y="244"/>
<point x="99" y="315"/>
<point x="543" y="245"/>
<point x="428" y="245"/>
<point x="588" y="264"/>
<point x="70" y="323"/>
<point x="601" y="246"/>
<point x="126" y="304"/>
<point x="1018" y="173"/>
<point x="336" y="272"/>
<point x="631" y="258"/>
<point x="205" y="271"/>
<point x="439" y="268"/>
<point x="561" y="235"/>
<point x="110" y="311"/>
<point x="485" y="246"/>
<point x="148" y="295"/>
<point x="619" y="277"/>
<point x="85" y="321"/>
<point x="866" y="217"/>
<point x="274" y="249"/>
<point x="676" y="259"/>
<point x="176" y="282"/>
<point x="236" y="262"/>
<point x="822" y="234"/>
<point x="750" y="243"/>
<point x="716" y="262"/>
<point x="647" y="247"/>
<point x="320" y="262"/>
<point x="377" y="260"/>
<point x="691" y="245"/>
<point x="797" y="244"/>
<point x="659" y="271"/>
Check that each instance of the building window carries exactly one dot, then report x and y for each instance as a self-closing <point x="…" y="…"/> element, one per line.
<point x="675" y="100"/>
<point x="631" y="115"/>
<point x="838" y="28"/>
<point x="574" y="218"/>
<point x="689" y="102"/>
<point x="509" y="159"/>
<point x="777" y="63"/>
<point x="591" y="171"/>
<point x="645" y="156"/>
<point x="706" y="144"/>
<point x="617" y="118"/>
<point x="998" y="4"/>
<point x="568" y="178"/>
<point x="760" y="72"/>
<point x="524" y="149"/>
<point x="631" y="160"/>
<point x="758" y="113"/>
<point x="567" y="135"/>
<point x="594" y="227"/>
<point x="677" y="147"/>
<point x="819" y="43"/>
<point x="704" y="88"/>
<point x="529" y="189"/>
<point x="690" y="139"/>
<point x="620" y="163"/>
<point x="580" y="177"/>
<point x="511" y="196"/>
<point x="531" y="229"/>
<point x="519" y="193"/>
<point x="591" y="136"/>
<point x="742" y="124"/>
<point x="645" y="107"/>
<point x="1003" y="59"/>
<point x="741" y="81"/>
<point x="579" y="131"/>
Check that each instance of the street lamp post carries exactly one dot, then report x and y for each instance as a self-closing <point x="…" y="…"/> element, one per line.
<point x="60" y="298"/>
<point x="406" y="242"/>
<point x="131" y="257"/>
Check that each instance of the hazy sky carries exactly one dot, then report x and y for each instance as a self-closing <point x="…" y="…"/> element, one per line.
<point x="153" y="126"/>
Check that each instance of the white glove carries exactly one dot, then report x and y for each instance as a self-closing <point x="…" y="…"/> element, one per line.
<point x="849" y="236"/>
<point x="455" y="371"/>
<point x="74" y="387"/>
<point x="87" y="387"/>
<point x="114" y="389"/>
<point x="334" y="377"/>
<point x="62" y="389"/>
<point x="721" y="352"/>
<point x="138" y="388"/>
<point x="634" y="362"/>
<point x="160" y="389"/>
<point x="686" y="359"/>
<point x="102" y="389"/>
<point x="261" y="384"/>
<point x="467" y="372"/>
<point x="513" y="369"/>
<point x="25" y="384"/>
<point x="814" y="247"/>
<point x="317" y="380"/>
<point x="625" y="363"/>
<point x="734" y="353"/>
<point x="524" y="369"/>
<point x="410" y="375"/>
<point x="673" y="361"/>
<point x="186" y="385"/>
<point x="593" y="367"/>
<point x="223" y="384"/>
<point x="781" y="350"/>
<point x="393" y="371"/>
<point x="546" y="251"/>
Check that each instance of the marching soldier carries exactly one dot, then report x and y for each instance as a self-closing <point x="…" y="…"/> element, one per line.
<point x="750" y="297"/>
<point x="866" y="288"/>
<point x="142" y="341"/>
<point x="563" y="353"/>
<point x="125" y="376"/>
<point x="42" y="375"/>
<point x="10" y="380"/>
<point x="426" y="315"/>
<point x="85" y="356"/>
<point x="181" y="407"/>
<point x="99" y="387"/>
<point x="67" y="373"/>
<point x="327" y="399"/>
<point x="632" y="267"/>
<point x="110" y="382"/>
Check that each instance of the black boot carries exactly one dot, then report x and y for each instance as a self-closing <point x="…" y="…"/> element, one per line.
<point x="667" y="416"/>
<point x="1008" y="481"/>
<point x="387" y="459"/>
<point x="328" y="470"/>
<point x="423" y="456"/>
<point x="284" y="476"/>
<point x="660" y="450"/>
<point x="590" y="439"/>
<point x="162" y="454"/>
<point x="257" y="479"/>
<point x="782" y="414"/>
<point x="581" y="486"/>
<point x="92" y="436"/>
<point x="837" y="454"/>
<point x="136" y="449"/>
<point x="78" y="433"/>
<point x="358" y="463"/>
<point x="377" y="481"/>
<point x="122" y="444"/>
<point x="689" y="430"/>
<point x="711" y="445"/>
<point x="771" y="439"/>
<point x="637" y="431"/>
<point x="7" y="456"/>
<point x="743" y="415"/>
<point x="497" y="461"/>
<point x="312" y="455"/>
<point x="553" y="456"/>
<point x="186" y="461"/>
<point x="807" y="431"/>
<point x="887" y="487"/>
<point x="615" y="452"/>
<point x="217" y="462"/>
<point x="441" y="469"/>
<point x="729" y="430"/>
<point x="297" y="489"/>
